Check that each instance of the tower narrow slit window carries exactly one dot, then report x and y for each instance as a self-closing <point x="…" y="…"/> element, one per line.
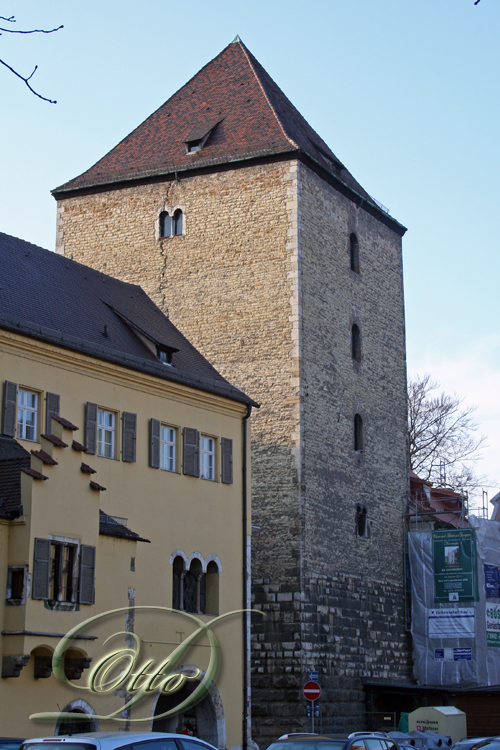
<point x="356" y="343"/>
<point x="361" y="522"/>
<point x="354" y="251"/>
<point x="358" y="433"/>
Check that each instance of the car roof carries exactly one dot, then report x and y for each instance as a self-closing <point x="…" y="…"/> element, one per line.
<point x="309" y="737"/>
<point x="111" y="740"/>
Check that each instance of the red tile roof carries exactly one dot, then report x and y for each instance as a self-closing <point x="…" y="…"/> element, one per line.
<point x="246" y="113"/>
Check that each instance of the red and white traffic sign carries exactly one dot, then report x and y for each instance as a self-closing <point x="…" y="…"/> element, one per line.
<point x="311" y="691"/>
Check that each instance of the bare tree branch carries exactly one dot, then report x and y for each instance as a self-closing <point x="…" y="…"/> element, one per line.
<point x="439" y="430"/>
<point x="27" y="79"/>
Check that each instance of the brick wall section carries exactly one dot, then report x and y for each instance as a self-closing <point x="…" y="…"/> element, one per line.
<point x="260" y="283"/>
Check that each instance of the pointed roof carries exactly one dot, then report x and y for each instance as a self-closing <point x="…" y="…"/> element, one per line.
<point x="237" y="112"/>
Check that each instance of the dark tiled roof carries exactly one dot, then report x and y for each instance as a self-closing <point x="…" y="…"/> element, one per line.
<point x="13" y="458"/>
<point x="109" y="526"/>
<point x="50" y="297"/>
<point x="247" y="113"/>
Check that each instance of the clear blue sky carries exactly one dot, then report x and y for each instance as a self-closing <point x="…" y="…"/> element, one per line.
<point x="405" y="93"/>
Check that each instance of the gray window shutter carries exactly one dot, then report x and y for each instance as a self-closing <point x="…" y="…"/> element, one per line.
<point x="41" y="569"/>
<point x="191" y="452"/>
<point x="154" y="443"/>
<point x="91" y="427"/>
<point x="52" y="410"/>
<point x="129" y="433"/>
<point x="9" y="408"/>
<point x="87" y="574"/>
<point x="227" y="460"/>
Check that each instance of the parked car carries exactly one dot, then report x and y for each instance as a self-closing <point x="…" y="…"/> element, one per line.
<point x="354" y="741"/>
<point x="469" y="742"/>
<point x="478" y="743"/>
<point x="117" y="740"/>
<point x="10" y="743"/>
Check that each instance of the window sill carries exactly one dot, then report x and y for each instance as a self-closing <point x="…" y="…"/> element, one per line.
<point x="61" y="606"/>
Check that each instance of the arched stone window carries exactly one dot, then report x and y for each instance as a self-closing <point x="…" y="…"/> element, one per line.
<point x="84" y="719"/>
<point x="178" y="572"/>
<point x="356" y="343"/>
<point x="354" y="251"/>
<point x="194" y="588"/>
<point x="177" y="222"/>
<point x="165" y="224"/>
<point x="195" y="584"/>
<point x="358" y="433"/>
<point x="171" y="224"/>
<point x="212" y="589"/>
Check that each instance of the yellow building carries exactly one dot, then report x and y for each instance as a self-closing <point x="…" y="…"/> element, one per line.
<point x="123" y="486"/>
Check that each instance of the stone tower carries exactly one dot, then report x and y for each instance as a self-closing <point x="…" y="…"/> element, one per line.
<point x="241" y="223"/>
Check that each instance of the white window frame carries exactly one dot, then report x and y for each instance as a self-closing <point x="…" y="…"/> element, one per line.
<point x="207" y="457"/>
<point x="23" y="410"/>
<point x="165" y="445"/>
<point x="102" y="429"/>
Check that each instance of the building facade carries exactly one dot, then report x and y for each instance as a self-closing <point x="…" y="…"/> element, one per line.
<point x="123" y="487"/>
<point x="249" y="232"/>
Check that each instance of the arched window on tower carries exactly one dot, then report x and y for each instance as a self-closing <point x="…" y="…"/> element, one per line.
<point x="358" y="433"/>
<point x="165" y="224"/>
<point x="354" y="250"/>
<point x="356" y="343"/>
<point x="177" y="223"/>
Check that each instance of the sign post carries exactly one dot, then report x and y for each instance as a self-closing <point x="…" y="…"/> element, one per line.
<point x="312" y="691"/>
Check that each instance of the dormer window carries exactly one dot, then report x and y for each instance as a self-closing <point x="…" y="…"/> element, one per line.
<point x="197" y="137"/>
<point x="193" y="146"/>
<point x="164" y="355"/>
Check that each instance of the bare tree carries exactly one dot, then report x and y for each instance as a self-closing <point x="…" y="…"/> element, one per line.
<point x="26" y="79"/>
<point x="444" y="444"/>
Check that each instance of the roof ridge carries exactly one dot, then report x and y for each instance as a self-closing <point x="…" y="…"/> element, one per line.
<point x="246" y="53"/>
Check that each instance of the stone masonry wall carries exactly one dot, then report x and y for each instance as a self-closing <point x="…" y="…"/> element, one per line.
<point x="336" y="478"/>
<point x="260" y="283"/>
<point x="346" y="628"/>
<point x="227" y="284"/>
